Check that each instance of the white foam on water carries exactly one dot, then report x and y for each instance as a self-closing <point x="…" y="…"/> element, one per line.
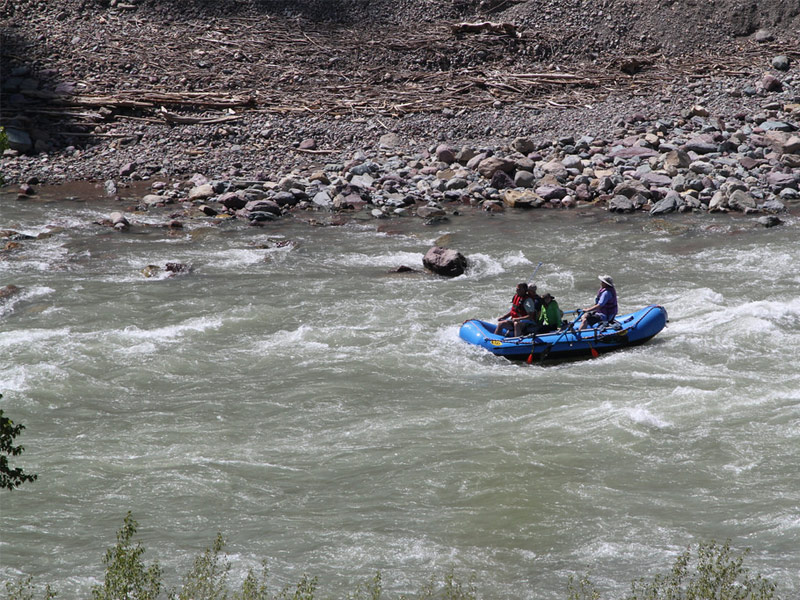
<point x="642" y="416"/>
<point x="21" y="378"/>
<point x="169" y="333"/>
<point x="137" y="349"/>
<point x="25" y="294"/>
<point x="516" y="259"/>
<point x="693" y="392"/>
<point x="29" y="337"/>
<point x="44" y="257"/>
<point x="298" y="339"/>
<point x="15" y="378"/>
<point x="481" y="266"/>
<point x="236" y="257"/>
<point x="387" y="260"/>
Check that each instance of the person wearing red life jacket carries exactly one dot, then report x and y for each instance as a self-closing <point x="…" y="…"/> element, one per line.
<point x="533" y="320"/>
<point x="605" y="306"/>
<point x="522" y="305"/>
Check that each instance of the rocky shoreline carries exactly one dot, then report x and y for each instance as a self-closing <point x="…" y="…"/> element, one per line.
<point x="692" y="163"/>
<point x="254" y="112"/>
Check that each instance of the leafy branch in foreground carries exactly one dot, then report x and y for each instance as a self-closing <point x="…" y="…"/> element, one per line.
<point x="11" y="478"/>
<point x="127" y="577"/>
<point x="24" y="590"/>
<point x="715" y="574"/>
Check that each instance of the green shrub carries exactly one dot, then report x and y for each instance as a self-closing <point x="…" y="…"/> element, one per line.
<point x="209" y="576"/>
<point x="716" y="573"/>
<point x="24" y="590"/>
<point x="127" y="577"/>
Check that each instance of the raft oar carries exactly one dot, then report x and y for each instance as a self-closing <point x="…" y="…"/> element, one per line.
<point x="569" y="327"/>
<point x="595" y="353"/>
<point x="579" y="335"/>
<point x="536" y="270"/>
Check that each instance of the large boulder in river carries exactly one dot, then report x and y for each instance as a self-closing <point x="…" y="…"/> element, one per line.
<point x="444" y="261"/>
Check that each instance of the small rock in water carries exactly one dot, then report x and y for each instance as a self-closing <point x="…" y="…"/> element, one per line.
<point x="151" y="271"/>
<point x="769" y="221"/>
<point x="177" y="268"/>
<point x="404" y="269"/>
<point x="118" y="220"/>
<point x="8" y="291"/>
<point x="27" y="190"/>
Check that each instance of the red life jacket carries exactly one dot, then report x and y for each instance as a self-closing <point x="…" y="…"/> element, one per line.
<point x="517" y="307"/>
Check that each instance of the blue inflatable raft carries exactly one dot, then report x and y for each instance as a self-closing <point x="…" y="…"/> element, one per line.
<point x="626" y="330"/>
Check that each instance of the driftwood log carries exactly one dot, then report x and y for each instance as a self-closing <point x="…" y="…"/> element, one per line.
<point x="486" y="27"/>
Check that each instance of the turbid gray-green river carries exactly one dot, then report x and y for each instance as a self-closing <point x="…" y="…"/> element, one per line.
<point x="323" y="414"/>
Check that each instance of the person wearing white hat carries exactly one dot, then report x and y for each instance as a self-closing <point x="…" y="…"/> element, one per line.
<point x="605" y="305"/>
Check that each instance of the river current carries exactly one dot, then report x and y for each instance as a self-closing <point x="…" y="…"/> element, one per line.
<point x="323" y="414"/>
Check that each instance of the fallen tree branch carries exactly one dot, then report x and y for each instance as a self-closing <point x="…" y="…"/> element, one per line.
<point x="485" y="27"/>
<point x="172" y="118"/>
<point x="307" y="151"/>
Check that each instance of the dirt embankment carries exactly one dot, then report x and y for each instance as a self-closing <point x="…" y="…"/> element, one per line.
<point x="221" y="86"/>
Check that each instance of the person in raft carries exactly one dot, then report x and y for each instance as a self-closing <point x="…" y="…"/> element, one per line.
<point x="531" y="323"/>
<point x="604" y="308"/>
<point x="522" y="306"/>
<point x="550" y="315"/>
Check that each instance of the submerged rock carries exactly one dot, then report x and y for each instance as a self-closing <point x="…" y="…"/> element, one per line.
<point x="8" y="291"/>
<point x="769" y="221"/>
<point x="177" y="268"/>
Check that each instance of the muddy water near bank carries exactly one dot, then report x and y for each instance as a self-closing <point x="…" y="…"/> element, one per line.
<point x="323" y="414"/>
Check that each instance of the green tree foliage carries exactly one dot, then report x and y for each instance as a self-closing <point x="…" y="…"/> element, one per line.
<point x="371" y="590"/>
<point x="254" y="587"/>
<point x="581" y="589"/>
<point x="127" y="577"/>
<point x="715" y="573"/>
<point x="10" y="478"/>
<point x="209" y="575"/>
<point x="452" y="589"/>
<point x="24" y="590"/>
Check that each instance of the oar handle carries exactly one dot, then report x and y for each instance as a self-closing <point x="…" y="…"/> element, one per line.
<point x="536" y="270"/>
